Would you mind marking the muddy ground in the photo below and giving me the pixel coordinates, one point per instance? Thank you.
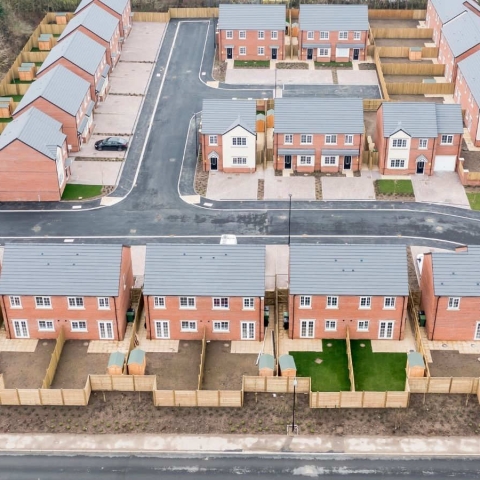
(451, 363)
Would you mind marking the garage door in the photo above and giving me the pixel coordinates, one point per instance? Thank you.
(445, 163)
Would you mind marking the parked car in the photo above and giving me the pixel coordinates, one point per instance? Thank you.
(111, 143)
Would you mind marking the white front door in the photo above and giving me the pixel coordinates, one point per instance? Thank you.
(105, 330)
(307, 328)
(386, 330)
(162, 328)
(477, 331)
(21, 329)
(248, 330)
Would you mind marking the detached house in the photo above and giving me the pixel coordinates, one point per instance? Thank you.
(100, 26)
(251, 32)
(362, 287)
(83, 288)
(418, 137)
(467, 93)
(450, 285)
(84, 57)
(33, 159)
(333, 33)
(121, 9)
(218, 289)
(318, 134)
(228, 135)
(64, 96)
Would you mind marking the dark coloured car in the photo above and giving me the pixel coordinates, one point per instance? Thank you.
(112, 143)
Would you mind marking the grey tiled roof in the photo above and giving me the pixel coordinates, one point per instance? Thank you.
(319, 115)
(117, 6)
(220, 116)
(470, 69)
(56, 269)
(205, 270)
(79, 49)
(462, 33)
(251, 17)
(59, 86)
(95, 19)
(348, 270)
(37, 130)
(421, 120)
(448, 9)
(334, 18)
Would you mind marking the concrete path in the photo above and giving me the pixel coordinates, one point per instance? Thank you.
(233, 186)
(357, 77)
(342, 188)
(273, 444)
(279, 188)
(143, 41)
(258, 76)
(443, 188)
(92, 172)
(130, 78)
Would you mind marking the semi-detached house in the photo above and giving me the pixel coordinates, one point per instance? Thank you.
(251, 32)
(318, 134)
(360, 287)
(64, 96)
(216, 289)
(333, 33)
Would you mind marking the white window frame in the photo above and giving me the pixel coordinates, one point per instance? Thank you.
(343, 35)
(329, 160)
(332, 302)
(331, 139)
(330, 325)
(260, 50)
(105, 301)
(391, 301)
(323, 52)
(242, 34)
(305, 160)
(162, 327)
(357, 35)
(307, 328)
(15, 301)
(78, 326)
(477, 331)
(387, 323)
(48, 325)
(402, 163)
(239, 141)
(242, 50)
(78, 303)
(159, 302)
(399, 143)
(363, 325)
(250, 330)
(310, 35)
(423, 144)
(22, 325)
(239, 160)
(188, 326)
(229, 34)
(348, 139)
(261, 35)
(213, 140)
(365, 303)
(274, 35)
(44, 300)
(105, 324)
(446, 140)
(221, 326)
(453, 303)
(324, 35)
(305, 301)
(306, 139)
(190, 303)
(223, 303)
(288, 139)
(248, 303)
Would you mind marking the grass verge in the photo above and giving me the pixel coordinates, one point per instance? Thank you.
(331, 375)
(474, 199)
(333, 64)
(6, 120)
(251, 63)
(377, 372)
(395, 187)
(17, 98)
(81, 192)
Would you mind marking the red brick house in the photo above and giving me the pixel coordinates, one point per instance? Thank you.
(33, 159)
(333, 287)
(467, 94)
(251, 32)
(121, 9)
(84, 288)
(64, 96)
(333, 33)
(218, 289)
(418, 137)
(451, 295)
(100, 26)
(84, 57)
(318, 134)
(228, 137)
(440, 12)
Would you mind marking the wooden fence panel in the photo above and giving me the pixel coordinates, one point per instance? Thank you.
(431, 69)
(193, 12)
(464, 385)
(87, 390)
(164, 398)
(160, 17)
(439, 385)
(122, 383)
(418, 384)
(55, 358)
(51, 396)
(34, 56)
(396, 14)
(324, 399)
(254, 384)
(230, 398)
(351, 374)
(397, 399)
(184, 398)
(381, 79)
(429, 52)
(74, 397)
(54, 29)
(101, 382)
(402, 33)
(374, 399)
(202, 360)
(207, 398)
(9, 396)
(351, 399)
(144, 383)
(420, 88)
(29, 396)
(371, 105)
(393, 52)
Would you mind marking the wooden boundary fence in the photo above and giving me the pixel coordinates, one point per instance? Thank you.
(466, 177)
(420, 88)
(123, 383)
(160, 17)
(275, 384)
(396, 14)
(351, 374)
(381, 79)
(52, 366)
(469, 385)
(430, 69)
(420, 33)
(403, 52)
(202, 360)
(359, 399)
(198, 398)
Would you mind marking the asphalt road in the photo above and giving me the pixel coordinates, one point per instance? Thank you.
(265, 467)
(153, 211)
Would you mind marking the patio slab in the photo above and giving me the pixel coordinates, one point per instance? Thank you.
(279, 188)
(143, 42)
(357, 77)
(130, 78)
(233, 186)
(95, 173)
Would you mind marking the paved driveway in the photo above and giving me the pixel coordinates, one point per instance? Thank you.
(116, 115)
(351, 188)
(95, 173)
(444, 188)
(143, 42)
(357, 77)
(259, 76)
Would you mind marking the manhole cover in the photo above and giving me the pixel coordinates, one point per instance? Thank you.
(85, 344)
(329, 344)
(478, 359)
(318, 360)
(226, 344)
(362, 345)
(472, 345)
(185, 344)
(45, 343)
(411, 351)
(444, 345)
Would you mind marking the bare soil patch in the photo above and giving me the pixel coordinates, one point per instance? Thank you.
(415, 98)
(404, 60)
(405, 78)
(392, 23)
(472, 159)
(75, 365)
(26, 370)
(402, 42)
(201, 178)
(367, 66)
(451, 363)
(292, 65)
(224, 370)
(370, 120)
(176, 371)
(219, 70)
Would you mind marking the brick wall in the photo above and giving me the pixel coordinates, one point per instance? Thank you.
(464, 97)
(433, 22)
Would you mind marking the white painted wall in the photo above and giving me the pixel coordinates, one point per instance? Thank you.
(400, 153)
(230, 151)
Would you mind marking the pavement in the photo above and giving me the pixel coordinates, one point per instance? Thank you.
(347, 188)
(95, 173)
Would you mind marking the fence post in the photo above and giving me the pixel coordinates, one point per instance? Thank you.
(265, 384)
(218, 398)
(450, 386)
(174, 398)
(61, 394)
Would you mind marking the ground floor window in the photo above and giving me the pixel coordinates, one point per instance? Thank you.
(78, 325)
(330, 325)
(239, 160)
(221, 326)
(397, 163)
(307, 328)
(105, 330)
(248, 330)
(477, 331)
(188, 325)
(21, 329)
(329, 160)
(324, 52)
(46, 326)
(362, 326)
(305, 160)
(162, 328)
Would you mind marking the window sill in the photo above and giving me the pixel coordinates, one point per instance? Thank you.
(181, 308)
(248, 309)
(17, 308)
(160, 308)
(222, 309)
(364, 308)
(79, 331)
(43, 308)
(223, 331)
(331, 308)
(188, 331)
(76, 308)
(305, 308)
(388, 308)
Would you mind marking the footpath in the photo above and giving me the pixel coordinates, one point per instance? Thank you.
(238, 444)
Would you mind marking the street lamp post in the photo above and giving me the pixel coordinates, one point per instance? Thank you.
(289, 216)
(196, 134)
(294, 428)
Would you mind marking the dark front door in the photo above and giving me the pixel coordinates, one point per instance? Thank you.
(288, 162)
(229, 53)
(309, 53)
(347, 162)
(213, 163)
(274, 53)
(420, 167)
(356, 53)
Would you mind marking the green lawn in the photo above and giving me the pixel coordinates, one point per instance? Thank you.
(6, 120)
(377, 372)
(474, 199)
(395, 187)
(81, 192)
(35, 49)
(251, 63)
(334, 64)
(38, 64)
(331, 375)
(16, 80)
(17, 98)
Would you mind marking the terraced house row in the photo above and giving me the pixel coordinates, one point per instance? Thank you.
(56, 115)
(219, 291)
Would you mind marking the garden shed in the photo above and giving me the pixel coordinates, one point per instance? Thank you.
(270, 118)
(415, 365)
(115, 363)
(137, 362)
(260, 121)
(266, 365)
(45, 41)
(26, 72)
(287, 366)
